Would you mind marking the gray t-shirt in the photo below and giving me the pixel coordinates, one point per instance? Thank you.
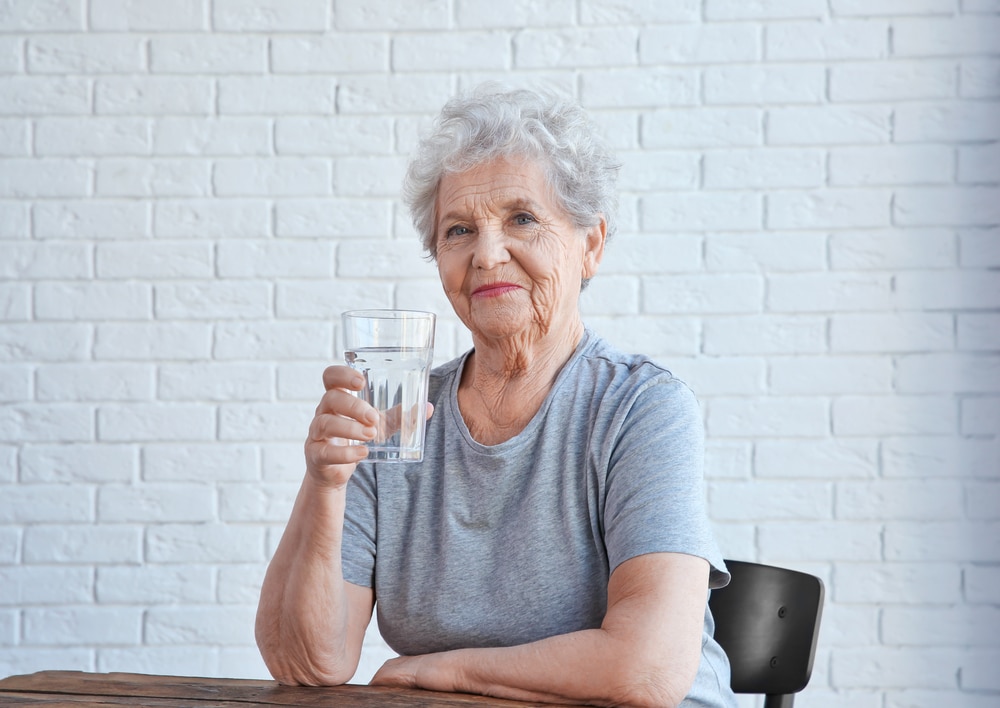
(499, 545)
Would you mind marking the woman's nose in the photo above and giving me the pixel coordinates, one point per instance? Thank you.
(491, 248)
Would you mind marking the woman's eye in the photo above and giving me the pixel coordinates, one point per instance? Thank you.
(524, 219)
(456, 231)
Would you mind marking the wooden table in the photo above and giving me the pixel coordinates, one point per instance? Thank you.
(73, 689)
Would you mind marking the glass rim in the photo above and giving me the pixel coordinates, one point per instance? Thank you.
(388, 314)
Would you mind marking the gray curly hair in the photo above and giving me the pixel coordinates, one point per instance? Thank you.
(491, 123)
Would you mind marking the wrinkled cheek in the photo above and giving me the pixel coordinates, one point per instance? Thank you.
(451, 285)
(459, 303)
(544, 298)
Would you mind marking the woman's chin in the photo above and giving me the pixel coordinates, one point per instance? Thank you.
(500, 328)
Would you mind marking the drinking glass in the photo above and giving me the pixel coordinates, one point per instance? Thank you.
(394, 350)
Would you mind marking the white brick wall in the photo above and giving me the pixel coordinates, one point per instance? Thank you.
(190, 192)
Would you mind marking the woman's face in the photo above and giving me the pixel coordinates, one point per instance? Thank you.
(510, 259)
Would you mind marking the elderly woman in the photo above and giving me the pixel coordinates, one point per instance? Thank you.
(553, 544)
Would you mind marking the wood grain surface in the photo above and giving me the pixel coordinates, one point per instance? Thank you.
(75, 689)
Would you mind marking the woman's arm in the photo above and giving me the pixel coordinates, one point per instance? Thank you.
(646, 652)
(310, 622)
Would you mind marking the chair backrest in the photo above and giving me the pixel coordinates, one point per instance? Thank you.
(767, 621)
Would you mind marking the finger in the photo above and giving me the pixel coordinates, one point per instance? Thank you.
(339, 402)
(334, 452)
(330, 427)
(395, 672)
(345, 377)
(393, 418)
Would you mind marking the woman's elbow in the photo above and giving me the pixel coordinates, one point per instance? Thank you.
(307, 676)
(649, 693)
(653, 686)
(292, 664)
(293, 672)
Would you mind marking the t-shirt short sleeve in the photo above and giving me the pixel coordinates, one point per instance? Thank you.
(655, 497)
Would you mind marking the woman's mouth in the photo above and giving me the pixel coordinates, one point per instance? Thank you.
(494, 289)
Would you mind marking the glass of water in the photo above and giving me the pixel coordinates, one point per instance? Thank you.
(394, 350)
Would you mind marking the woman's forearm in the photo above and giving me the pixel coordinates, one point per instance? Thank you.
(305, 629)
(590, 667)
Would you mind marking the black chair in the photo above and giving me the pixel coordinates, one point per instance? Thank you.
(767, 621)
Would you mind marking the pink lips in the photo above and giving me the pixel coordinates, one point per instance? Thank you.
(494, 289)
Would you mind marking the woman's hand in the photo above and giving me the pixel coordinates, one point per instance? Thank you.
(432, 672)
(399, 672)
(341, 417)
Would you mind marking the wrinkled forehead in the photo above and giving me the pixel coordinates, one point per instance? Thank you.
(497, 184)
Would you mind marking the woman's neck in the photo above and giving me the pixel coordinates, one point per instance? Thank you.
(504, 383)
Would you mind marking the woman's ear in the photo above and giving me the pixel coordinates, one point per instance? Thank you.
(595, 238)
